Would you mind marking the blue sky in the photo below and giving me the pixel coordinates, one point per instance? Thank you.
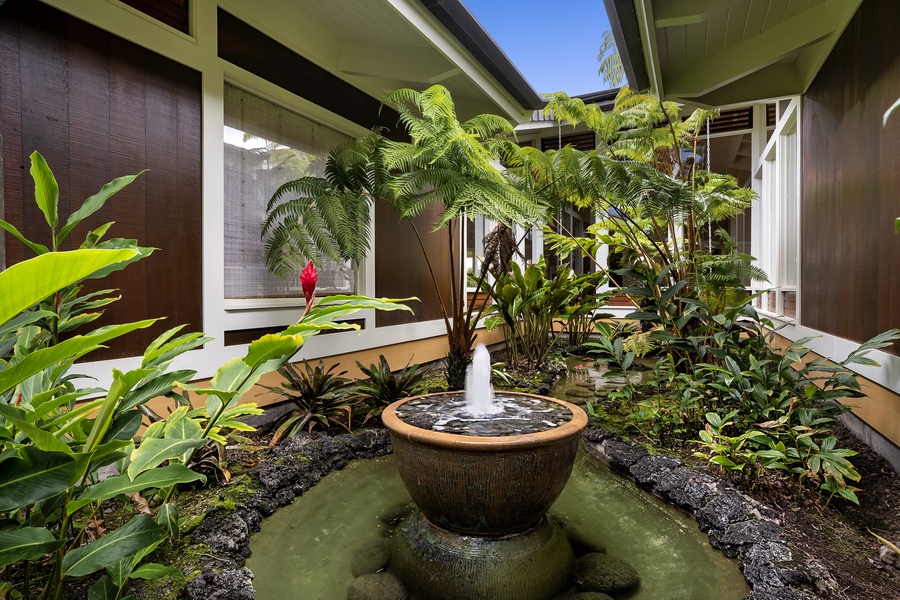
(554, 45)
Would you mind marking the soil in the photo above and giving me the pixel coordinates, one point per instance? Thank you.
(838, 534)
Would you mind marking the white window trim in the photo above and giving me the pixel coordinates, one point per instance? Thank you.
(767, 213)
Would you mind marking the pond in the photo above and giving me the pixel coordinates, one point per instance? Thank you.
(305, 550)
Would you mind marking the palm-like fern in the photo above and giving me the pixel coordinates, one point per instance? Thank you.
(325, 217)
(447, 164)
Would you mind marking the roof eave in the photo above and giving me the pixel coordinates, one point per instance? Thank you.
(457, 19)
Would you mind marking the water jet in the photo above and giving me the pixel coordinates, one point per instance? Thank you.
(482, 530)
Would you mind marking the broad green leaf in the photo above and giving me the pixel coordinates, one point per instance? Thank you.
(44, 440)
(157, 386)
(34, 246)
(26, 283)
(46, 190)
(128, 539)
(124, 426)
(155, 571)
(93, 204)
(122, 382)
(167, 517)
(154, 451)
(25, 543)
(105, 588)
(180, 427)
(123, 484)
(35, 475)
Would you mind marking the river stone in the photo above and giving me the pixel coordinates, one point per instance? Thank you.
(370, 557)
(376, 586)
(597, 572)
(579, 393)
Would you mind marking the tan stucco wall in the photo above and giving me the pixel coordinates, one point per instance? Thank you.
(879, 408)
(417, 351)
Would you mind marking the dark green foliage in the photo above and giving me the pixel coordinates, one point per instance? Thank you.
(527, 302)
(320, 395)
(758, 408)
(384, 387)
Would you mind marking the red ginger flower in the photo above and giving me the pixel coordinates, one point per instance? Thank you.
(308, 279)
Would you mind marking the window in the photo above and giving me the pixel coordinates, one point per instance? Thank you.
(776, 231)
(266, 146)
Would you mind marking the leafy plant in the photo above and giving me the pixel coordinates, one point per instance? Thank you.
(383, 387)
(52, 448)
(526, 303)
(320, 395)
(55, 437)
(448, 165)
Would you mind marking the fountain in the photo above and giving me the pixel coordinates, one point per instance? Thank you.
(481, 530)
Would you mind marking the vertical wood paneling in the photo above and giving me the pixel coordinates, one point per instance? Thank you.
(400, 267)
(850, 278)
(98, 107)
(12, 194)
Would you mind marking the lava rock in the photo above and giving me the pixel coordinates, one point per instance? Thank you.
(596, 572)
(370, 557)
(225, 534)
(376, 586)
(741, 535)
(723, 510)
(653, 468)
(227, 584)
(622, 454)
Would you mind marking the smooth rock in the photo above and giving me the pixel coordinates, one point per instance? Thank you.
(597, 572)
(376, 586)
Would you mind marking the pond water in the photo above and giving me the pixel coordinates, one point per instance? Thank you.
(304, 550)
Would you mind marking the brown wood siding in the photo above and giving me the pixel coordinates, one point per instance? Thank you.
(244, 46)
(98, 107)
(173, 13)
(400, 267)
(850, 281)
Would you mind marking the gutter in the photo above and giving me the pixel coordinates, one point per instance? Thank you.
(457, 19)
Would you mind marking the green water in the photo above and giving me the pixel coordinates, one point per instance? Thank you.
(303, 551)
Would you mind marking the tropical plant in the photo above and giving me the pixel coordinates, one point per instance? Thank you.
(382, 386)
(447, 165)
(581, 317)
(54, 437)
(525, 302)
(322, 398)
(650, 196)
(610, 69)
(761, 408)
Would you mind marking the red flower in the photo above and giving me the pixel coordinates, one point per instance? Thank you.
(308, 281)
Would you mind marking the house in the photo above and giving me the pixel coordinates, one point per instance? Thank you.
(211, 97)
(813, 80)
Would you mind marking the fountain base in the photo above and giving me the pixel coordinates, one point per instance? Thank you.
(438, 564)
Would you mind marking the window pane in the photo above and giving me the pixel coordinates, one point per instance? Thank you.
(266, 146)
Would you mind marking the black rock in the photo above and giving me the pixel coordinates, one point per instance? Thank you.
(227, 584)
